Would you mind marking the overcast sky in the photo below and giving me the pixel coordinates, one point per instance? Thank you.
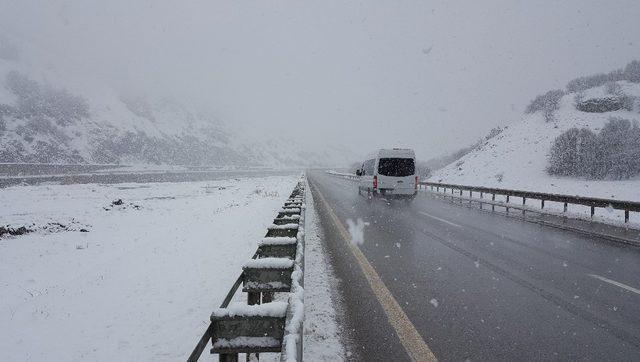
(432, 75)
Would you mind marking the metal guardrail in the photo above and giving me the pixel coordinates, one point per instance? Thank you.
(592, 202)
(345, 175)
(288, 230)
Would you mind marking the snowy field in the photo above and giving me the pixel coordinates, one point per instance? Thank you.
(141, 282)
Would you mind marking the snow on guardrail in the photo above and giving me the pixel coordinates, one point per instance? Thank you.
(263, 325)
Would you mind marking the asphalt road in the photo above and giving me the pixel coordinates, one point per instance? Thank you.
(476, 285)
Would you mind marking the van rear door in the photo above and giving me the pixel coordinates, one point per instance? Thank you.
(397, 174)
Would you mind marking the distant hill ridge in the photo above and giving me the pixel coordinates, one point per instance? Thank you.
(43, 122)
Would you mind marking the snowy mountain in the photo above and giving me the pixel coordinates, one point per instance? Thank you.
(518, 157)
(46, 117)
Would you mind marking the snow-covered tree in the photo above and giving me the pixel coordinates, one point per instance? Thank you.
(614, 153)
(574, 153)
(548, 103)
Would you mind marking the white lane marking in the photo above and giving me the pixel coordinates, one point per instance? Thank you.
(617, 284)
(439, 219)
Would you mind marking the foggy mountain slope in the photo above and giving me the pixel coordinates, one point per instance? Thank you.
(517, 158)
(45, 119)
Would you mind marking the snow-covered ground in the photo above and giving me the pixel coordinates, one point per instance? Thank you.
(323, 340)
(142, 282)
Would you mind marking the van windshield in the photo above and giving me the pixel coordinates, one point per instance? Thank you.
(396, 167)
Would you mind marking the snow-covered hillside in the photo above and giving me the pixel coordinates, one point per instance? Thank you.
(48, 117)
(517, 158)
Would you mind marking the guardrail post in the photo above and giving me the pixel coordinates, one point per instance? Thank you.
(267, 297)
(253, 298)
(507, 204)
(565, 207)
(470, 196)
(593, 211)
(481, 203)
(524, 201)
(493, 206)
(228, 357)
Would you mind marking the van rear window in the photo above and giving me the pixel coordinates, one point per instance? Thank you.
(396, 167)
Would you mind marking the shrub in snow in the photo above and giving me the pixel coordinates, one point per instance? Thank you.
(583, 83)
(601, 105)
(619, 100)
(14, 231)
(573, 153)
(620, 142)
(632, 72)
(614, 153)
(547, 103)
(494, 132)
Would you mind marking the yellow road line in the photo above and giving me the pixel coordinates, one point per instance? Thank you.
(411, 340)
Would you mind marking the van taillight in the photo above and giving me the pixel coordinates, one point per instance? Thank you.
(375, 182)
(417, 182)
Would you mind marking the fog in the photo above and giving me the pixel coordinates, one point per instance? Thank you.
(433, 75)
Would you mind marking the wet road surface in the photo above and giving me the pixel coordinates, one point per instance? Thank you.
(477, 285)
